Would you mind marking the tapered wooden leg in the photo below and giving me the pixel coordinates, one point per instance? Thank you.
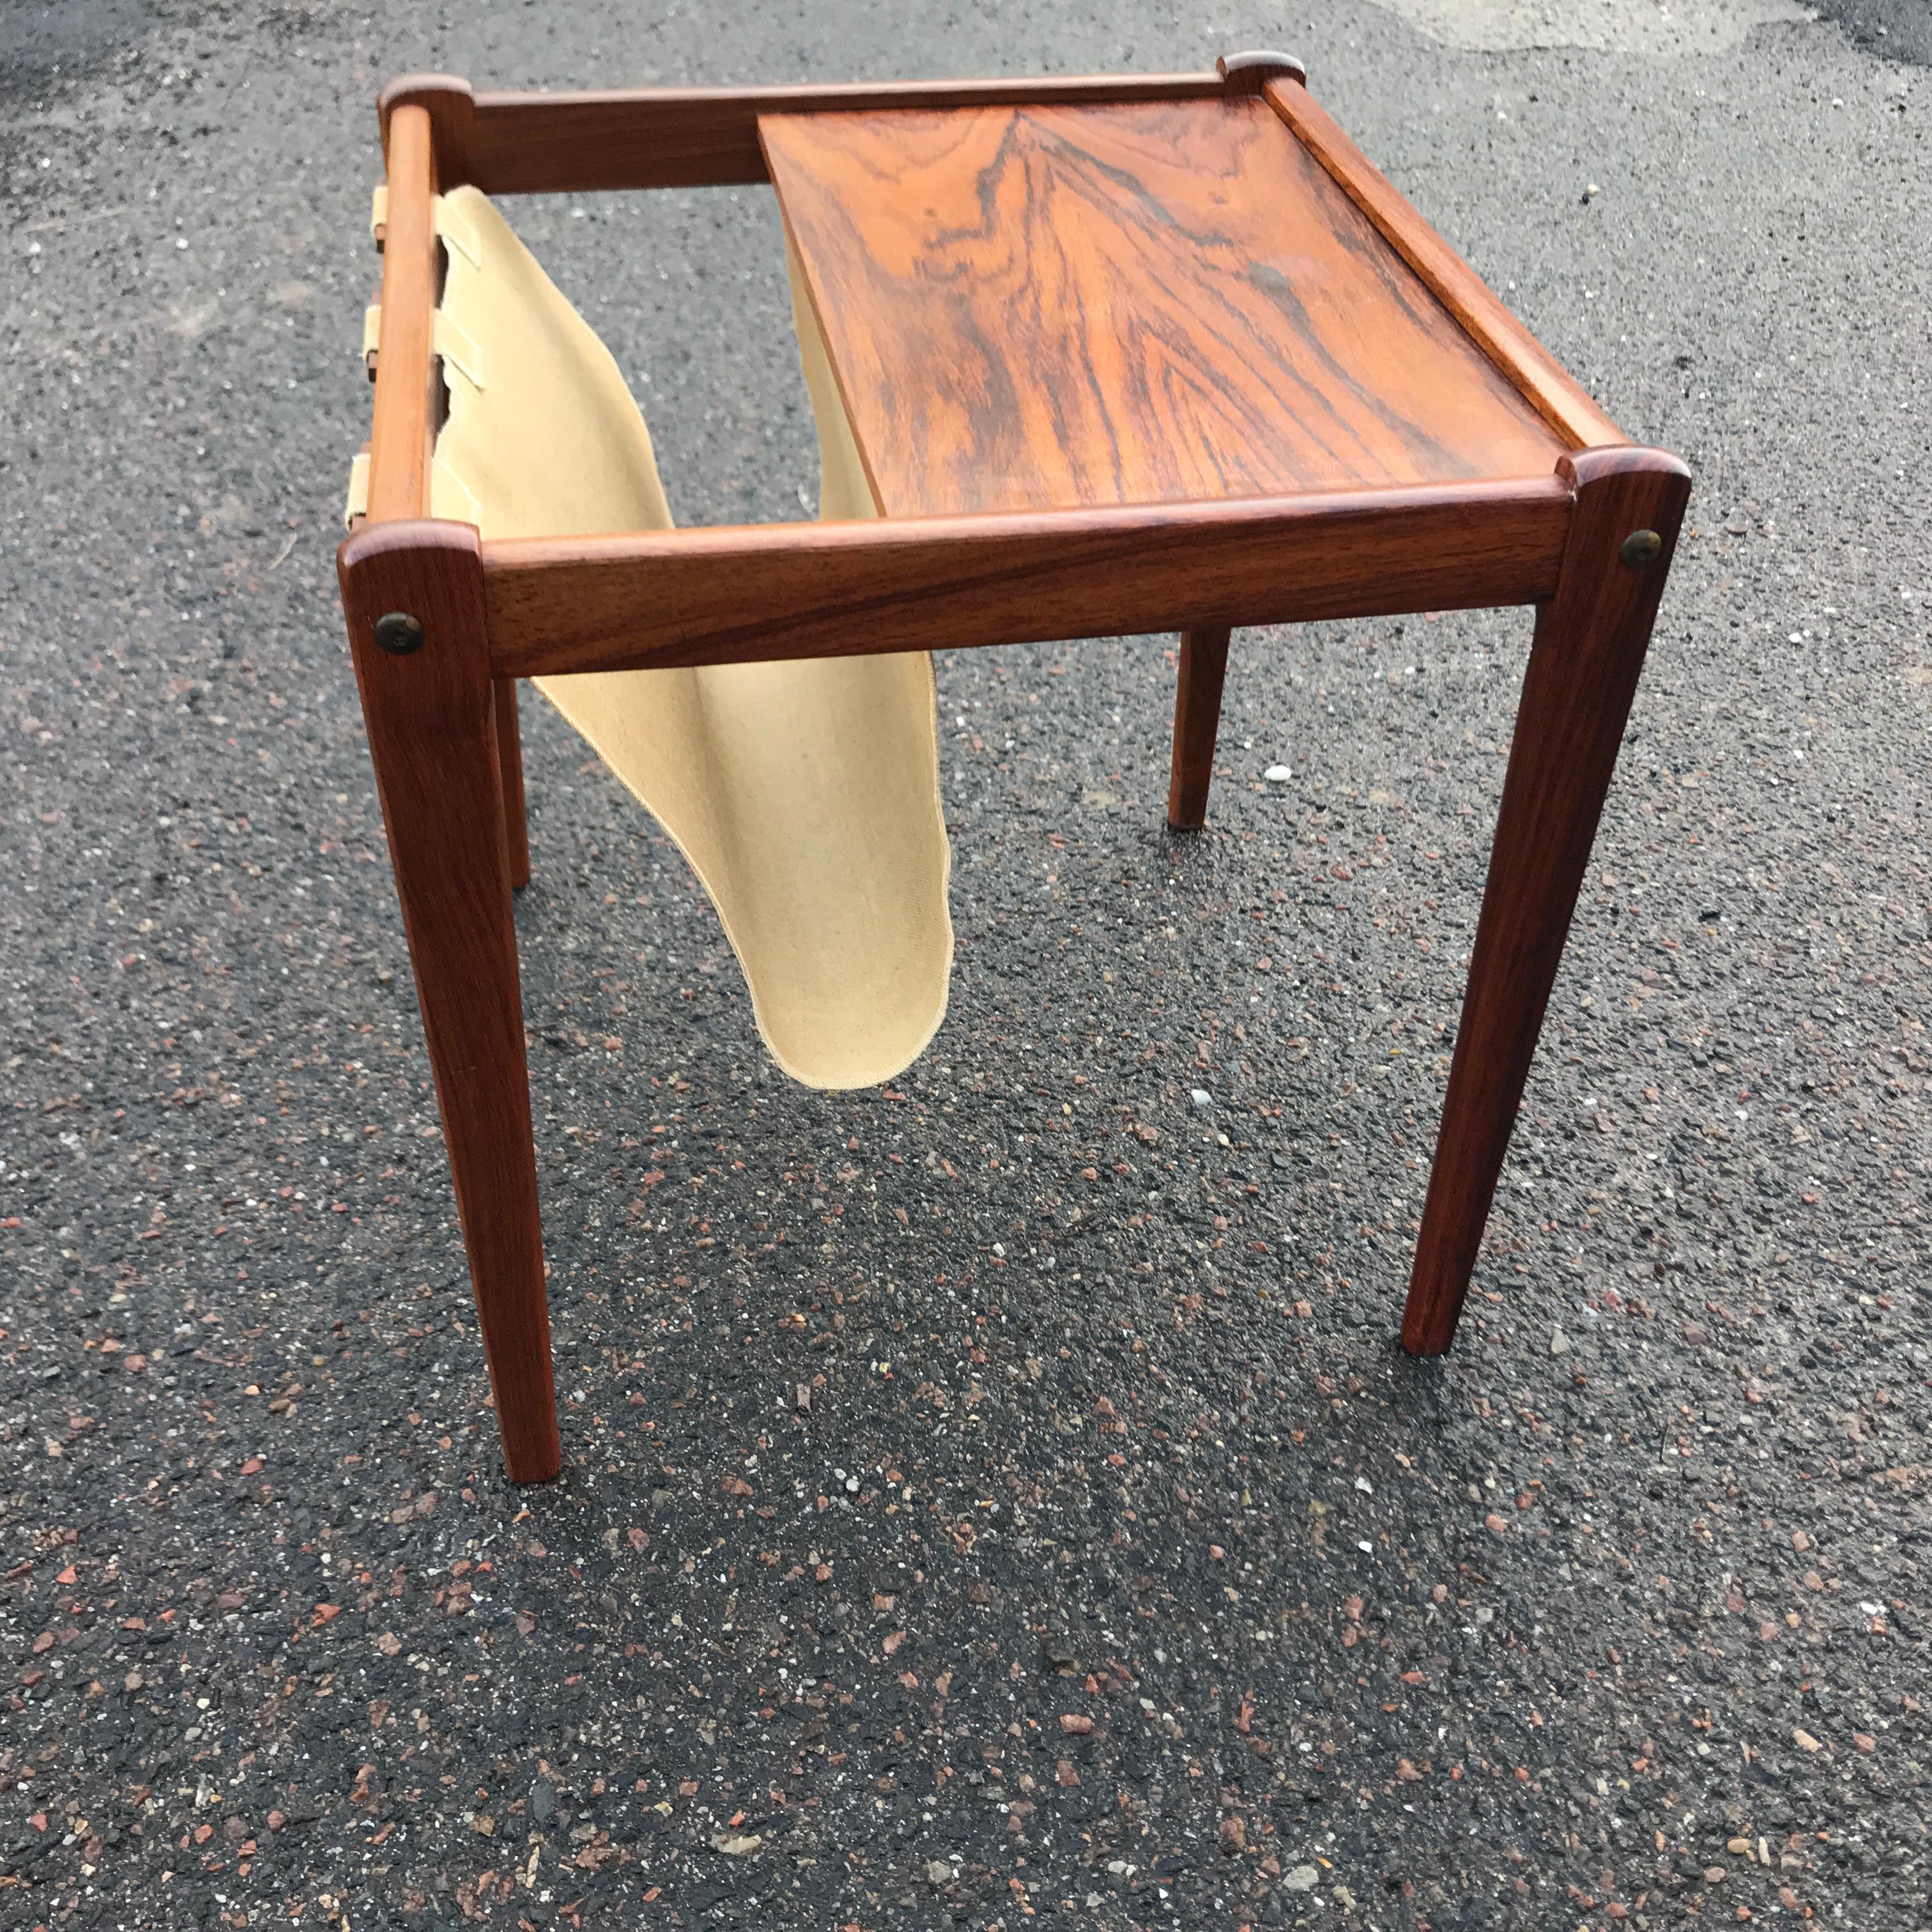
(510, 772)
(418, 588)
(1590, 641)
(1197, 718)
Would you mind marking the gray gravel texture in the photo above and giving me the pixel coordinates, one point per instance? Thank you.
(1900, 29)
(1121, 1568)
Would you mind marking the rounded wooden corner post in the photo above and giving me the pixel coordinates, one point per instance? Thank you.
(1250, 73)
(1197, 723)
(451, 104)
(1591, 637)
(412, 593)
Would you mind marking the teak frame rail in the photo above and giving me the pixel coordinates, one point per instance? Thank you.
(441, 624)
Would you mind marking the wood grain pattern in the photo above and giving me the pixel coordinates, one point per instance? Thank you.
(1028, 308)
(399, 437)
(1556, 395)
(798, 590)
(507, 142)
(1197, 724)
(1591, 638)
(432, 741)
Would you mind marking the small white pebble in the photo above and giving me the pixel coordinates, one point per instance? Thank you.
(1277, 775)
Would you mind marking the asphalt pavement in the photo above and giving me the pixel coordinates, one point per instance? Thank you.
(1000, 1497)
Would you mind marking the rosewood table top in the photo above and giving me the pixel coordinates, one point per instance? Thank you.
(1040, 307)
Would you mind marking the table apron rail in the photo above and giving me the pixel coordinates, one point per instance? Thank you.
(766, 593)
(403, 428)
(605, 140)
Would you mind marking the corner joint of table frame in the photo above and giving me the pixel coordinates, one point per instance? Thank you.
(375, 558)
(1626, 503)
(451, 103)
(1581, 468)
(1249, 73)
(1653, 485)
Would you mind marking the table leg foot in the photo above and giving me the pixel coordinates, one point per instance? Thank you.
(1197, 721)
(1589, 645)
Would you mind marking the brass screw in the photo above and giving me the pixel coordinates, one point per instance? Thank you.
(1640, 547)
(399, 633)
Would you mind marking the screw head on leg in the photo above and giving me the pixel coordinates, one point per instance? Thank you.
(1639, 548)
(399, 633)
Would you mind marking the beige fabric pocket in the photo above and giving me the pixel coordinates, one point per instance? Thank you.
(805, 796)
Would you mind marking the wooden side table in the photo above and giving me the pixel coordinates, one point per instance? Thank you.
(1120, 355)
